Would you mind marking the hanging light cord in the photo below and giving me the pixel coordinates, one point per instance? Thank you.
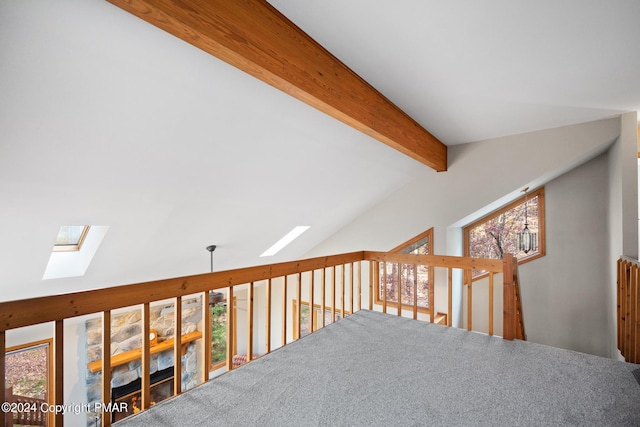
(211, 249)
(526, 222)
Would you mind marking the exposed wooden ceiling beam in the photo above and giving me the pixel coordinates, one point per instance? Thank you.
(254, 37)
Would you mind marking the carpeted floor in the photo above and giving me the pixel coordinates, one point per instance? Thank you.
(372, 369)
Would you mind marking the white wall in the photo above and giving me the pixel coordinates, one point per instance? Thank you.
(623, 210)
(565, 293)
(485, 175)
(481, 177)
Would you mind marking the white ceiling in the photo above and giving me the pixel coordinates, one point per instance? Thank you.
(106, 120)
(469, 70)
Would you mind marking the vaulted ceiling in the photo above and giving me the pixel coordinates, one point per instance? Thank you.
(108, 120)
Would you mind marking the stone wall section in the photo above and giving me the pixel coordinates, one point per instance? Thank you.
(126, 335)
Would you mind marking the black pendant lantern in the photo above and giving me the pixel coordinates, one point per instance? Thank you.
(527, 241)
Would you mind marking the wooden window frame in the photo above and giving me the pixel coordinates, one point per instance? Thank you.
(71, 247)
(50, 367)
(425, 310)
(541, 227)
(315, 321)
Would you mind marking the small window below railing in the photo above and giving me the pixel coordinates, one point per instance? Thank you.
(407, 277)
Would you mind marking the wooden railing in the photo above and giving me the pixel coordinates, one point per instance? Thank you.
(334, 283)
(628, 311)
(513, 325)
(28, 411)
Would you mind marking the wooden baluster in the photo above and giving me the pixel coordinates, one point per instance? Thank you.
(625, 308)
(359, 285)
(298, 318)
(106, 366)
(58, 369)
(177, 341)
(146, 358)
(311, 301)
(333, 294)
(469, 299)
(620, 300)
(627, 314)
(415, 291)
(323, 296)
(432, 294)
(384, 287)
(250, 322)
(636, 316)
(450, 296)
(630, 317)
(633, 293)
(267, 339)
(399, 293)
(351, 287)
(284, 309)
(343, 291)
(508, 299)
(230, 328)
(519, 319)
(491, 303)
(373, 267)
(621, 292)
(627, 311)
(206, 336)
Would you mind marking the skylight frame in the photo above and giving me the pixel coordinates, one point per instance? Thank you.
(69, 247)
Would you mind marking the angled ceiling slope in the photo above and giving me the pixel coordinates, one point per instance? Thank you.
(256, 38)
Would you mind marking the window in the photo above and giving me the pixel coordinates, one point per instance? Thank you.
(421, 244)
(303, 329)
(497, 233)
(218, 335)
(27, 378)
(70, 237)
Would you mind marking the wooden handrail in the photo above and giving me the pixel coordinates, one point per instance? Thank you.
(436, 260)
(16, 314)
(335, 281)
(513, 324)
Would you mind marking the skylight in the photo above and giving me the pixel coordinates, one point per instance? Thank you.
(73, 250)
(288, 238)
(70, 238)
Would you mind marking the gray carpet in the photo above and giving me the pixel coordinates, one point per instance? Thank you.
(376, 369)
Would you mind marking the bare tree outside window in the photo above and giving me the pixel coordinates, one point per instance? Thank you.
(497, 234)
(409, 274)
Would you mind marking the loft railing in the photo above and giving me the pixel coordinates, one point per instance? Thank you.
(25, 418)
(333, 284)
(513, 325)
(628, 312)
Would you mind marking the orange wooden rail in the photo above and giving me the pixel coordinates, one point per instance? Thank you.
(339, 275)
(628, 309)
(513, 326)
